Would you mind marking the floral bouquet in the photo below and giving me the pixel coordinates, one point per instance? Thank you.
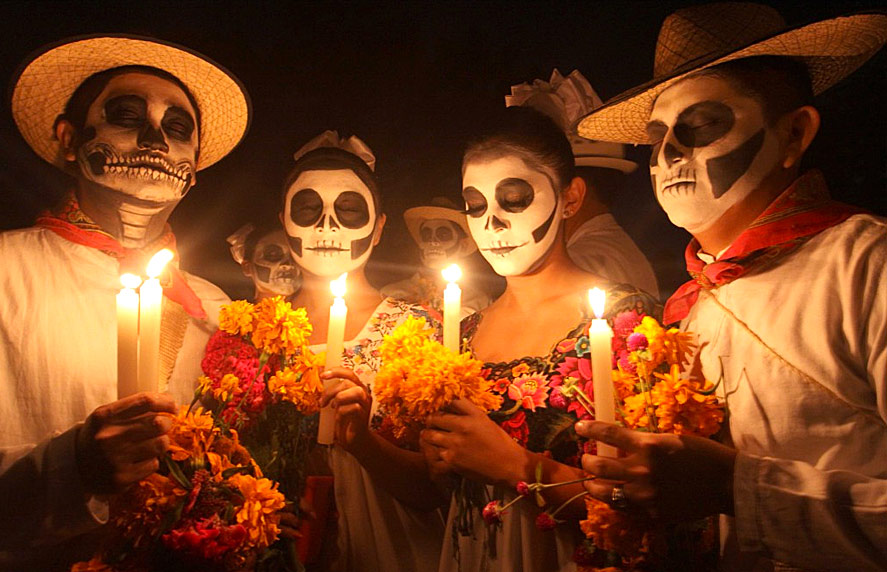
(214, 503)
(420, 376)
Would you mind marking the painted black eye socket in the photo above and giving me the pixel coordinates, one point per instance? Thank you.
(475, 202)
(273, 253)
(126, 111)
(703, 123)
(306, 206)
(178, 123)
(425, 234)
(443, 234)
(352, 209)
(514, 195)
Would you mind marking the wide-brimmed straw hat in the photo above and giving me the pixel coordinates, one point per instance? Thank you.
(50, 76)
(703, 36)
(440, 208)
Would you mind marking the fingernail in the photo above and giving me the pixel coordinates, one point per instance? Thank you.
(582, 425)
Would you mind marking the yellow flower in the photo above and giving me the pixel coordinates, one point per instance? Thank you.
(236, 318)
(678, 346)
(259, 513)
(613, 530)
(279, 328)
(191, 433)
(139, 511)
(94, 565)
(681, 408)
(656, 337)
(299, 384)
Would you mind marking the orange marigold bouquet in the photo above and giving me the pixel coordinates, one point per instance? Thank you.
(215, 502)
(420, 376)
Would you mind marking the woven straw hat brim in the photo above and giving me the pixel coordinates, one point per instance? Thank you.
(832, 49)
(47, 81)
(414, 217)
(622, 165)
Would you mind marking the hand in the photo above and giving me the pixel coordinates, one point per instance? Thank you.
(352, 402)
(670, 477)
(475, 446)
(439, 470)
(119, 444)
(290, 522)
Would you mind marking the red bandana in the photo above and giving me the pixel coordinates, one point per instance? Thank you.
(74, 225)
(799, 213)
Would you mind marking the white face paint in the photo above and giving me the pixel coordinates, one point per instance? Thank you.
(273, 269)
(439, 242)
(713, 148)
(140, 139)
(329, 217)
(513, 213)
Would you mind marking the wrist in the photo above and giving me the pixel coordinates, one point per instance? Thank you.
(521, 467)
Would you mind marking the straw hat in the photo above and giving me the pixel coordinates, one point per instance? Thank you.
(565, 100)
(48, 79)
(440, 208)
(703, 36)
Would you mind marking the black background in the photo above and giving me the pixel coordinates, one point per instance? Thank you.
(410, 79)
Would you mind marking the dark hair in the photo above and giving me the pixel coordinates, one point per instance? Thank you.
(779, 83)
(257, 234)
(334, 159)
(530, 135)
(603, 182)
(78, 104)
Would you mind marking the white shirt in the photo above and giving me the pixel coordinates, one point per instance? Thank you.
(602, 247)
(58, 362)
(809, 419)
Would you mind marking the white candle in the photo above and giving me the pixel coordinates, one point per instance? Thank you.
(600, 337)
(335, 343)
(452, 299)
(150, 301)
(128, 336)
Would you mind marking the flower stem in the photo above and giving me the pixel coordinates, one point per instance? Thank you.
(564, 505)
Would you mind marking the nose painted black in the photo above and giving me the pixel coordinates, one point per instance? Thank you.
(672, 153)
(495, 223)
(151, 138)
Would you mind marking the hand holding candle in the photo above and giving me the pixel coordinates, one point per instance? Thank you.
(335, 343)
(128, 336)
(452, 299)
(600, 337)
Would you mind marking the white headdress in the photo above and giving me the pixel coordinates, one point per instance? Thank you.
(331, 138)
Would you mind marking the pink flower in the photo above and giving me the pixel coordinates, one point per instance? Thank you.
(637, 341)
(545, 521)
(557, 399)
(625, 323)
(571, 371)
(523, 488)
(492, 513)
(530, 391)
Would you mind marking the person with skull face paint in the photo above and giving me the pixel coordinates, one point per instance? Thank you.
(388, 517)
(132, 120)
(264, 256)
(441, 232)
(518, 183)
(787, 298)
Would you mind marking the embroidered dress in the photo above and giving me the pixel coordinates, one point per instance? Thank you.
(375, 531)
(536, 415)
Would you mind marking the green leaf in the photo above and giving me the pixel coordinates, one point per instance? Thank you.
(176, 472)
(244, 469)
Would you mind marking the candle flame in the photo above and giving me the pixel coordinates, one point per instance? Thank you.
(158, 262)
(451, 273)
(598, 299)
(337, 286)
(130, 280)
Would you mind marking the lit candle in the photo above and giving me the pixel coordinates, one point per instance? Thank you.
(452, 298)
(335, 343)
(600, 337)
(128, 336)
(150, 301)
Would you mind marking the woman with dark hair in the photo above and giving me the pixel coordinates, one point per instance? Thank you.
(264, 257)
(519, 186)
(387, 506)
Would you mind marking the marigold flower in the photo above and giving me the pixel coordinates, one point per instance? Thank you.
(236, 318)
(612, 530)
(94, 565)
(682, 407)
(299, 384)
(259, 513)
(655, 335)
(280, 328)
(191, 434)
(138, 513)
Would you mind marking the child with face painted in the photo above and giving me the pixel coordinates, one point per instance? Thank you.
(387, 505)
(789, 297)
(264, 257)
(519, 186)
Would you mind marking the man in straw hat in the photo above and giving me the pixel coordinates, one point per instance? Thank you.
(441, 233)
(595, 241)
(788, 297)
(132, 120)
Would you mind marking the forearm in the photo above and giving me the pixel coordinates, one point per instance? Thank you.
(805, 517)
(524, 467)
(401, 473)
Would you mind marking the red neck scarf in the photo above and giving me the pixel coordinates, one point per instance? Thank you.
(75, 226)
(803, 210)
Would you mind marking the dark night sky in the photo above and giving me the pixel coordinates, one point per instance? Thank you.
(410, 79)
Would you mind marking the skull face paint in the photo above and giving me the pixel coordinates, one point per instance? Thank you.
(712, 148)
(140, 139)
(329, 217)
(514, 213)
(273, 269)
(439, 242)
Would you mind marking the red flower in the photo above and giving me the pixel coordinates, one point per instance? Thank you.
(516, 427)
(208, 539)
(500, 385)
(492, 513)
(545, 521)
(523, 488)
